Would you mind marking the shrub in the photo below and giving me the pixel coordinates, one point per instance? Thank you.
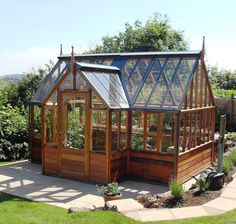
(177, 189)
(202, 184)
(230, 136)
(13, 134)
(227, 166)
(232, 157)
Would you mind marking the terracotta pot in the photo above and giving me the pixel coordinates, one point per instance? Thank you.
(111, 198)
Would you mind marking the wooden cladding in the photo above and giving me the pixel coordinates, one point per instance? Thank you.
(98, 167)
(36, 150)
(151, 166)
(194, 161)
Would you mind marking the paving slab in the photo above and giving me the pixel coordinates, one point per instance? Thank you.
(155, 215)
(213, 211)
(25, 179)
(221, 203)
(125, 205)
(229, 192)
(189, 212)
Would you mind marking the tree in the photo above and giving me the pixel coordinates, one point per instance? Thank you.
(222, 79)
(14, 98)
(156, 35)
(18, 94)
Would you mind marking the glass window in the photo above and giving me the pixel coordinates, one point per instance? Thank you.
(127, 69)
(37, 121)
(67, 83)
(75, 123)
(149, 84)
(51, 125)
(168, 126)
(53, 99)
(137, 132)
(115, 123)
(152, 121)
(136, 76)
(123, 126)
(119, 130)
(108, 86)
(53, 77)
(96, 102)
(81, 84)
(98, 130)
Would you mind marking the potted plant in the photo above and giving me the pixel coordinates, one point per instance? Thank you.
(110, 191)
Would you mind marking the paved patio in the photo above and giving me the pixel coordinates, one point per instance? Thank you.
(25, 179)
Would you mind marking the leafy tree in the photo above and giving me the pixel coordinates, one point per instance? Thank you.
(156, 35)
(222, 79)
(14, 99)
(18, 94)
(13, 134)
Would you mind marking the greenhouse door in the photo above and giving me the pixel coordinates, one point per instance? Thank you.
(73, 132)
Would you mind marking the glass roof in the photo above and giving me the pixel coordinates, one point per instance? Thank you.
(50, 81)
(158, 82)
(149, 80)
(107, 85)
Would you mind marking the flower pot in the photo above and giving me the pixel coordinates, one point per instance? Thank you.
(111, 198)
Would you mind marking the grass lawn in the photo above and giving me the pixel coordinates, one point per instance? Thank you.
(4, 163)
(14, 210)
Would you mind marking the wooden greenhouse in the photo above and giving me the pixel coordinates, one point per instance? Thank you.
(111, 117)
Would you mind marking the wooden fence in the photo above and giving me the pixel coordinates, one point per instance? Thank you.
(228, 107)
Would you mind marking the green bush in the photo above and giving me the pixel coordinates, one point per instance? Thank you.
(13, 134)
(202, 184)
(177, 189)
(230, 136)
(227, 166)
(232, 157)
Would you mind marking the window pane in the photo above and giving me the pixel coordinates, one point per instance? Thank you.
(151, 131)
(81, 84)
(37, 121)
(137, 134)
(75, 109)
(98, 130)
(123, 117)
(168, 125)
(53, 77)
(96, 102)
(53, 99)
(149, 84)
(136, 76)
(115, 129)
(51, 126)
(67, 83)
(109, 87)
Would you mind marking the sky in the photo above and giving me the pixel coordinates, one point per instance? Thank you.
(32, 31)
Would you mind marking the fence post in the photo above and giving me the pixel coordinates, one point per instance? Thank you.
(232, 112)
(221, 142)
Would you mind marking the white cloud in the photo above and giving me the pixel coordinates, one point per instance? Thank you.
(16, 62)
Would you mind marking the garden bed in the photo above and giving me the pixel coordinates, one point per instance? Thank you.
(192, 197)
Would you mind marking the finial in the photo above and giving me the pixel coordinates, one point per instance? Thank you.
(203, 46)
(60, 49)
(72, 53)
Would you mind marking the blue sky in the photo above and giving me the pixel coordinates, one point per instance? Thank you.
(31, 31)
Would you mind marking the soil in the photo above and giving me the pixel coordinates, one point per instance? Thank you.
(191, 198)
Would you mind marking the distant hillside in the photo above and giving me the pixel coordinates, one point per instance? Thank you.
(11, 78)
